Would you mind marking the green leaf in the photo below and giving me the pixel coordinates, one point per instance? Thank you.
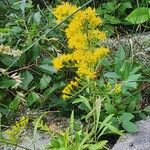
(139, 15)
(113, 129)
(98, 110)
(110, 109)
(44, 81)
(131, 106)
(125, 5)
(112, 75)
(37, 17)
(31, 98)
(14, 105)
(84, 101)
(126, 117)
(98, 145)
(7, 83)
(134, 77)
(112, 19)
(47, 69)
(27, 79)
(147, 109)
(129, 126)
(105, 121)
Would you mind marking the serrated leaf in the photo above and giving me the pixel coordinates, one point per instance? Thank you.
(139, 15)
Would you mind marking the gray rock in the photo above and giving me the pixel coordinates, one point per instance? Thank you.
(136, 141)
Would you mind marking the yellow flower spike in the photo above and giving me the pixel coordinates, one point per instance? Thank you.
(70, 86)
(74, 83)
(66, 90)
(82, 34)
(117, 88)
(65, 97)
(96, 34)
(64, 10)
(58, 63)
(77, 79)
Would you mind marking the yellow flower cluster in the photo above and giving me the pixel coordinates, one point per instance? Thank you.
(83, 37)
(83, 60)
(70, 87)
(62, 11)
(82, 29)
(15, 131)
(8, 51)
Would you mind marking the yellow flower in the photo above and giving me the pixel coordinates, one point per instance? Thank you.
(96, 34)
(87, 72)
(58, 63)
(69, 88)
(65, 96)
(100, 52)
(117, 88)
(90, 16)
(64, 10)
(79, 41)
(82, 34)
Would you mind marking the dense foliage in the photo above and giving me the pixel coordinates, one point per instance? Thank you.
(53, 57)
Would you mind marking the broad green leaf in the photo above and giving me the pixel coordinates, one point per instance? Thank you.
(130, 126)
(105, 121)
(125, 5)
(31, 98)
(131, 106)
(139, 15)
(27, 79)
(7, 83)
(47, 69)
(134, 78)
(112, 19)
(112, 75)
(55, 87)
(128, 84)
(14, 105)
(84, 101)
(37, 17)
(126, 117)
(44, 81)
(147, 109)
(23, 6)
(110, 109)
(113, 129)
